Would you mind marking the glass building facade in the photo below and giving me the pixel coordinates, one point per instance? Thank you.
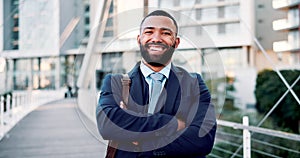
(34, 56)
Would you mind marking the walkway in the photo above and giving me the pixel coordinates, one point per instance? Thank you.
(53, 130)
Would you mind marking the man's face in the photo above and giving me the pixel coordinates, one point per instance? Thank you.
(158, 40)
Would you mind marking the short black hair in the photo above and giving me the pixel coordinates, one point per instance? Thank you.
(161, 13)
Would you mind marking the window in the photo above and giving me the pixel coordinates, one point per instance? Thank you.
(260, 21)
(111, 7)
(221, 29)
(260, 6)
(198, 14)
(15, 35)
(87, 8)
(87, 20)
(15, 2)
(112, 62)
(108, 34)
(86, 33)
(293, 38)
(293, 16)
(221, 12)
(109, 22)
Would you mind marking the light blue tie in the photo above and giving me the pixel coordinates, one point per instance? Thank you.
(155, 92)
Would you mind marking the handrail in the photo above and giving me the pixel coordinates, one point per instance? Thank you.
(260, 130)
(16, 105)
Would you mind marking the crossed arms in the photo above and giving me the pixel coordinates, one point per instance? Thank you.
(191, 134)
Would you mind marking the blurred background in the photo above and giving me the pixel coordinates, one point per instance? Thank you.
(247, 51)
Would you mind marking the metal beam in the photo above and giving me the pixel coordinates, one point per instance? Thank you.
(89, 63)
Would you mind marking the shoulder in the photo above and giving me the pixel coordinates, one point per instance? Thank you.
(111, 80)
(185, 73)
(112, 77)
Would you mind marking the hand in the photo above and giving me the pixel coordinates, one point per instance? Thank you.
(123, 105)
(181, 125)
(135, 143)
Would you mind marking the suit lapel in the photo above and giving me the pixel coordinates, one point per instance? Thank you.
(139, 92)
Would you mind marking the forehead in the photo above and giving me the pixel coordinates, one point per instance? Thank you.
(159, 22)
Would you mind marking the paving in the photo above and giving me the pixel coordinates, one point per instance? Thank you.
(54, 130)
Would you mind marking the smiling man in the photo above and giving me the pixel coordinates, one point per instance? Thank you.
(169, 111)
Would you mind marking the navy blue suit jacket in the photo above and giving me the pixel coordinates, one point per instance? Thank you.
(185, 97)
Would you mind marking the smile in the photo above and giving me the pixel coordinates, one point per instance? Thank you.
(156, 47)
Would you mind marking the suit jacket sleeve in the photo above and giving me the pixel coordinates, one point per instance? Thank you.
(198, 138)
(118, 124)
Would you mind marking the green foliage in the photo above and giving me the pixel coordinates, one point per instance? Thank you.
(270, 88)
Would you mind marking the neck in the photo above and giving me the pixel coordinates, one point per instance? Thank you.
(154, 68)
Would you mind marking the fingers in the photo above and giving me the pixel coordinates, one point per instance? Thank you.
(122, 105)
(181, 125)
(135, 143)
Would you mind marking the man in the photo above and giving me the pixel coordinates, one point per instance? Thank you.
(181, 123)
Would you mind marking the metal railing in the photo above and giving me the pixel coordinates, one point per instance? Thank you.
(16, 105)
(241, 140)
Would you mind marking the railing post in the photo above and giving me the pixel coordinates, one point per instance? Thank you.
(1, 116)
(29, 98)
(1, 111)
(17, 100)
(8, 106)
(246, 139)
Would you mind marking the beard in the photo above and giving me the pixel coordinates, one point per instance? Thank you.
(157, 60)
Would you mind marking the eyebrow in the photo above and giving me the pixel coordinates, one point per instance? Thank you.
(163, 28)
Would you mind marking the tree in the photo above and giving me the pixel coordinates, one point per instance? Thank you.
(269, 89)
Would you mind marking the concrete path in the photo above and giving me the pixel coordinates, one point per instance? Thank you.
(53, 130)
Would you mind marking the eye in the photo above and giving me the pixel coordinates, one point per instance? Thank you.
(148, 32)
(167, 33)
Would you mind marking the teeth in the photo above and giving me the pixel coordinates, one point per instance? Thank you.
(156, 48)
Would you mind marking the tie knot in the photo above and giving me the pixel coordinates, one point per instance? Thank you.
(157, 76)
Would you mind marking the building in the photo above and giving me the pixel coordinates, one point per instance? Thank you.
(266, 36)
(36, 39)
(291, 26)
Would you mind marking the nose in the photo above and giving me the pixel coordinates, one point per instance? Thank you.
(156, 37)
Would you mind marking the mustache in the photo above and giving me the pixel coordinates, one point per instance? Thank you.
(157, 44)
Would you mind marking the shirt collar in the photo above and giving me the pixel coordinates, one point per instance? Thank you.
(146, 71)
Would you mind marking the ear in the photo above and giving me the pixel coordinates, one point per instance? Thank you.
(138, 39)
(177, 42)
